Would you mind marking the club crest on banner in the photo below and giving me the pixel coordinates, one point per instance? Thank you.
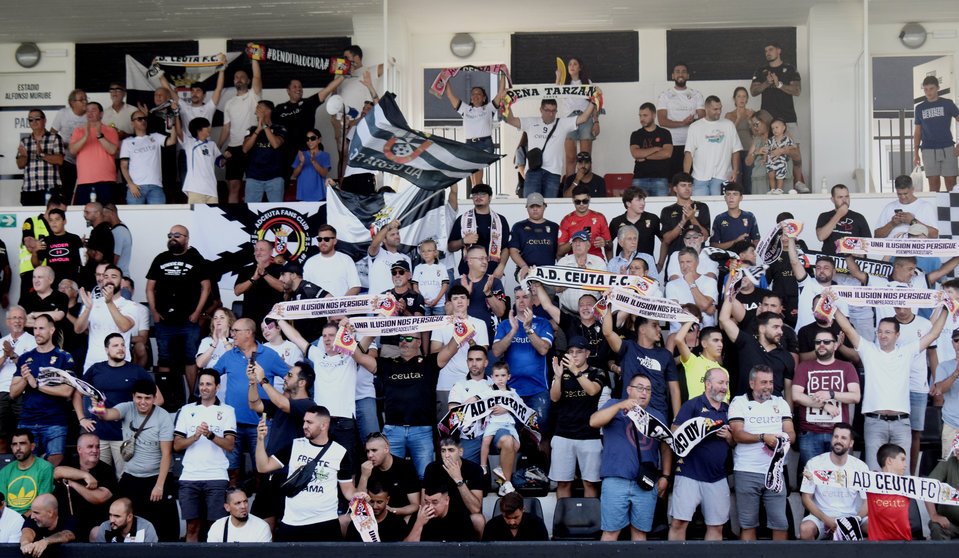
(288, 230)
(404, 149)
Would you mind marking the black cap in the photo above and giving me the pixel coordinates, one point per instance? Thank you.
(292, 267)
(579, 342)
(402, 264)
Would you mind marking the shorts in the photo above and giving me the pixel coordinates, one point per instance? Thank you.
(824, 533)
(750, 488)
(51, 439)
(582, 132)
(917, 410)
(193, 198)
(792, 129)
(623, 503)
(199, 496)
(236, 164)
(501, 432)
(940, 162)
(567, 452)
(486, 144)
(184, 339)
(713, 497)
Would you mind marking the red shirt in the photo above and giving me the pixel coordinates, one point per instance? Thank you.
(888, 517)
(594, 222)
(94, 164)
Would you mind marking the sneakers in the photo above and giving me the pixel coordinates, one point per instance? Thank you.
(801, 187)
(506, 487)
(500, 477)
(776, 191)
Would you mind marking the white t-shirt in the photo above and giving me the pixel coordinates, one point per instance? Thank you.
(678, 290)
(569, 299)
(317, 502)
(11, 525)
(204, 460)
(218, 351)
(430, 278)
(141, 322)
(808, 289)
(712, 143)
(917, 281)
(922, 210)
(571, 104)
(336, 274)
(380, 279)
(239, 114)
(254, 530)
(101, 324)
(887, 376)
(554, 156)
(919, 368)
(465, 389)
(290, 353)
(24, 343)
(119, 119)
(143, 153)
(335, 385)
(200, 166)
(456, 369)
(477, 121)
(834, 501)
(65, 122)
(758, 417)
(706, 265)
(944, 343)
(188, 112)
(679, 104)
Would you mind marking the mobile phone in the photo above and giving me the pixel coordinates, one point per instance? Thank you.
(897, 211)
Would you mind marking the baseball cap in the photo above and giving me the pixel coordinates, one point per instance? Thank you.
(581, 235)
(535, 199)
(691, 228)
(292, 267)
(578, 342)
(402, 264)
(918, 229)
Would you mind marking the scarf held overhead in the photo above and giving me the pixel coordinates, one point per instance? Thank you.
(333, 306)
(552, 92)
(336, 66)
(898, 246)
(438, 88)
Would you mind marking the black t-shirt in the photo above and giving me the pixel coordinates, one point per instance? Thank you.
(596, 185)
(648, 227)
(88, 515)
(807, 337)
(483, 226)
(63, 256)
(531, 528)
(776, 101)
(454, 527)
(56, 300)
(574, 407)
(671, 215)
(298, 118)
(259, 299)
(101, 239)
(436, 475)
(415, 306)
(64, 523)
(647, 140)
(310, 328)
(265, 162)
(286, 426)
(536, 242)
(410, 388)
(751, 353)
(598, 346)
(178, 278)
(399, 480)
(783, 283)
(392, 529)
(751, 302)
(853, 224)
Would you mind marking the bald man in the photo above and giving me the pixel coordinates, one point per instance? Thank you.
(45, 526)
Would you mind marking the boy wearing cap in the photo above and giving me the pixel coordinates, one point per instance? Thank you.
(584, 175)
(533, 241)
(584, 219)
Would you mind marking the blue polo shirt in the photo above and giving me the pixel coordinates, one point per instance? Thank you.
(707, 461)
(233, 365)
(38, 407)
(620, 439)
(657, 363)
(536, 242)
(726, 228)
(527, 368)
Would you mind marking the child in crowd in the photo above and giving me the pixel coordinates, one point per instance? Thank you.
(202, 156)
(498, 426)
(776, 159)
(430, 279)
(889, 513)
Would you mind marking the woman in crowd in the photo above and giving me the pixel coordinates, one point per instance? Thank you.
(576, 74)
(310, 169)
(742, 118)
(478, 118)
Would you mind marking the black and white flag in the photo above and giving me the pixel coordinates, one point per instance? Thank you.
(384, 142)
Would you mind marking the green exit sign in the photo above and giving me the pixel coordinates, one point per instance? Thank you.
(8, 220)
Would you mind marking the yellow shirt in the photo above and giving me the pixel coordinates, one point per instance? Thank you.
(694, 372)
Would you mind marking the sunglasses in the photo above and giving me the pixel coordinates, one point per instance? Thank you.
(581, 202)
(35, 118)
(175, 235)
(117, 89)
(139, 119)
(824, 342)
(325, 238)
(407, 338)
(398, 271)
(311, 138)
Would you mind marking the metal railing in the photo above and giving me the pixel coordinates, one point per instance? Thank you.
(892, 146)
(493, 174)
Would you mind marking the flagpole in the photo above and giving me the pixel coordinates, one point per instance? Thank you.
(417, 206)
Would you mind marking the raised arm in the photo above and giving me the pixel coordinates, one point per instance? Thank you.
(546, 303)
(613, 338)
(680, 339)
(220, 78)
(726, 320)
(799, 271)
(928, 339)
(257, 82)
(454, 100)
(945, 269)
(854, 271)
(846, 326)
(294, 336)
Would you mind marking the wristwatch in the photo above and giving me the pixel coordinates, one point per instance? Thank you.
(832, 394)
(210, 436)
(264, 382)
(460, 483)
(100, 136)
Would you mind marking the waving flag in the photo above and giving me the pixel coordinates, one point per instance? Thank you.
(384, 142)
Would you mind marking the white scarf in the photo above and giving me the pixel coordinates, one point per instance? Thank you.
(468, 225)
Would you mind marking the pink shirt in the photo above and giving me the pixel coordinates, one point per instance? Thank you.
(94, 164)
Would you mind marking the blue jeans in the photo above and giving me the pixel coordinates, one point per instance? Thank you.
(540, 403)
(367, 421)
(187, 338)
(711, 187)
(812, 444)
(653, 186)
(542, 182)
(51, 439)
(245, 443)
(438, 310)
(151, 194)
(255, 189)
(417, 441)
(103, 190)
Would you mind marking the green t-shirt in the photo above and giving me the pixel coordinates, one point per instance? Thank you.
(694, 370)
(21, 487)
(948, 472)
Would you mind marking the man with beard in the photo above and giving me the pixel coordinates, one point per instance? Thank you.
(382, 254)
(332, 270)
(809, 285)
(87, 485)
(297, 288)
(701, 475)
(826, 504)
(177, 290)
(124, 527)
(483, 227)
(100, 246)
(679, 107)
(396, 476)
(832, 226)
(763, 348)
(643, 356)
(758, 420)
(107, 313)
(25, 479)
(238, 117)
(823, 390)
(778, 82)
(468, 390)
(239, 525)
(652, 148)
(199, 106)
(45, 526)
(259, 283)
